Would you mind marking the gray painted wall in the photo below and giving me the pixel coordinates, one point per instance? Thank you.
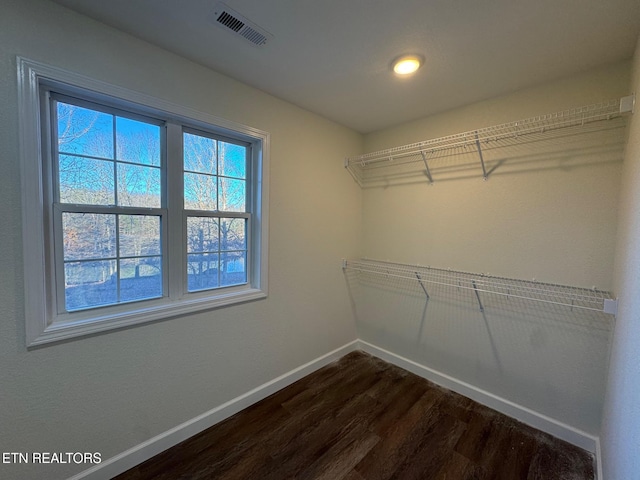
(620, 439)
(110, 392)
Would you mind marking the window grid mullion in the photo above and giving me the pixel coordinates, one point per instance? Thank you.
(109, 209)
(219, 249)
(176, 219)
(52, 164)
(58, 273)
(115, 163)
(218, 208)
(117, 235)
(250, 208)
(216, 214)
(122, 162)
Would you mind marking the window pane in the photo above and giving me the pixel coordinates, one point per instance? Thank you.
(233, 270)
(86, 181)
(139, 235)
(232, 195)
(140, 278)
(202, 234)
(137, 142)
(90, 284)
(200, 192)
(84, 132)
(233, 235)
(138, 186)
(202, 271)
(88, 236)
(199, 154)
(233, 160)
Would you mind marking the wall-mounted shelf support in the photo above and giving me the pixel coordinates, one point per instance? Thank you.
(611, 306)
(475, 289)
(479, 147)
(424, 289)
(627, 104)
(426, 166)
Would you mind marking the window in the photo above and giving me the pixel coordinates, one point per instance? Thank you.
(107, 206)
(134, 209)
(215, 199)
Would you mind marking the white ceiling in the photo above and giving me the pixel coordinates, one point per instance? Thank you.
(333, 57)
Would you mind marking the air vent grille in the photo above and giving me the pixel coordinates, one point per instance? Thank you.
(232, 20)
(253, 36)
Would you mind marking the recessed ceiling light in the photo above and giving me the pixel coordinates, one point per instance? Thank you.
(407, 64)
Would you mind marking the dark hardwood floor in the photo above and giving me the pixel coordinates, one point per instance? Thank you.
(361, 418)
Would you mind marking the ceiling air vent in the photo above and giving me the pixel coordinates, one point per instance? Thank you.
(235, 22)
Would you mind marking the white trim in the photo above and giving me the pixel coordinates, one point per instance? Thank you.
(65, 331)
(31, 72)
(40, 319)
(32, 201)
(145, 450)
(599, 470)
(530, 417)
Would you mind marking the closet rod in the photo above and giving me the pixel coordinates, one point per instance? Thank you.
(575, 117)
(564, 295)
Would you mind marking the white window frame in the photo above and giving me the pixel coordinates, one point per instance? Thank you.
(43, 323)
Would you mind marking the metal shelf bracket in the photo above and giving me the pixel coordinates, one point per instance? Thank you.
(475, 289)
(422, 285)
(426, 165)
(484, 170)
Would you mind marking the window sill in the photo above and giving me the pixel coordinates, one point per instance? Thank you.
(66, 330)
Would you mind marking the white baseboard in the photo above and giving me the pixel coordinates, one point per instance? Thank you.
(530, 417)
(599, 470)
(144, 451)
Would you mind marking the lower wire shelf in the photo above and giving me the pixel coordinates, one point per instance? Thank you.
(564, 295)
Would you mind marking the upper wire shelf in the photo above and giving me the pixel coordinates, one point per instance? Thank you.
(564, 295)
(584, 119)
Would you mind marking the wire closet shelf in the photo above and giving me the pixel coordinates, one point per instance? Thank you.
(574, 297)
(584, 119)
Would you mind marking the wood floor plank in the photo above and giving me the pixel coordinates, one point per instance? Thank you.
(550, 462)
(400, 441)
(458, 406)
(362, 419)
(314, 442)
(514, 455)
(340, 459)
(477, 438)
(354, 378)
(229, 438)
(400, 401)
(457, 467)
(353, 475)
(433, 451)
